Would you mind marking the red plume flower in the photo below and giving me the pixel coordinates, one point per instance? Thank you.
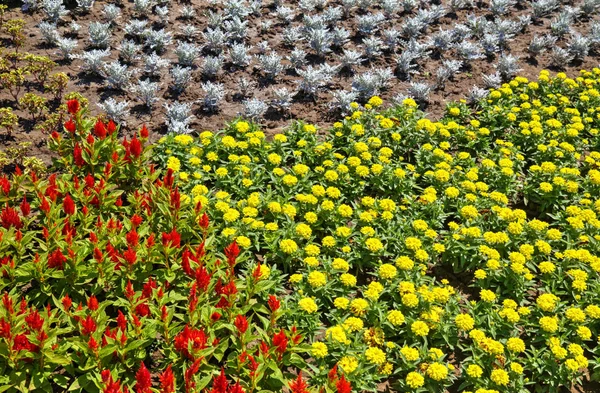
(100, 129)
(69, 205)
(241, 324)
(10, 218)
(231, 252)
(274, 303)
(25, 207)
(298, 385)
(56, 260)
(135, 147)
(78, 155)
(143, 380)
(70, 126)
(204, 222)
(67, 302)
(144, 133)
(73, 106)
(167, 381)
(280, 341)
(343, 386)
(92, 303)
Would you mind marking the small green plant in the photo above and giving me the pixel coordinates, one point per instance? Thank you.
(57, 84)
(8, 120)
(13, 81)
(34, 104)
(14, 28)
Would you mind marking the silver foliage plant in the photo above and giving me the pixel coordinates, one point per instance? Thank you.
(118, 111)
(178, 117)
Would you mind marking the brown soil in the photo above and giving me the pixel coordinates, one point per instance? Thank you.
(313, 111)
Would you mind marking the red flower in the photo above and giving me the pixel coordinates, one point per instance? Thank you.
(136, 220)
(68, 205)
(5, 329)
(204, 222)
(197, 338)
(21, 342)
(130, 256)
(100, 129)
(144, 133)
(56, 260)
(280, 341)
(55, 135)
(88, 325)
(142, 310)
(274, 303)
(5, 185)
(135, 147)
(202, 278)
(237, 388)
(111, 127)
(298, 385)
(93, 344)
(92, 303)
(231, 252)
(121, 321)
(34, 320)
(343, 386)
(25, 207)
(241, 324)
(78, 155)
(67, 302)
(215, 316)
(189, 374)
(10, 218)
(167, 381)
(220, 383)
(129, 292)
(70, 126)
(143, 380)
(149, 286)
(73, 106)
(132, 238)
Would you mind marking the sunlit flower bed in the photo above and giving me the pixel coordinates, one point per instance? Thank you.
(371, 219)
(389, 252)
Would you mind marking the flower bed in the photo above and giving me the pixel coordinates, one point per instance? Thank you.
(390, 251)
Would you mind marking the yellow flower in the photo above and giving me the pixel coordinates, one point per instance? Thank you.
(419, 328)
(437, 371)
(410, 354)
(317, 279)
(549, 324)
(474, 371)
(415, 380)
(288, 246)
(464, 322)
(395, 317)
(500, 377)
(308, 304)
(348, 364)
(387, 271)
(243, 241)
(319, 350)
(348, 279)
(375, 101)
(359, 306)
(341, 303)
(373, 244)
(375, 355)
(515, 344)
(487, 295)
(547, 301)
(174, 164)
